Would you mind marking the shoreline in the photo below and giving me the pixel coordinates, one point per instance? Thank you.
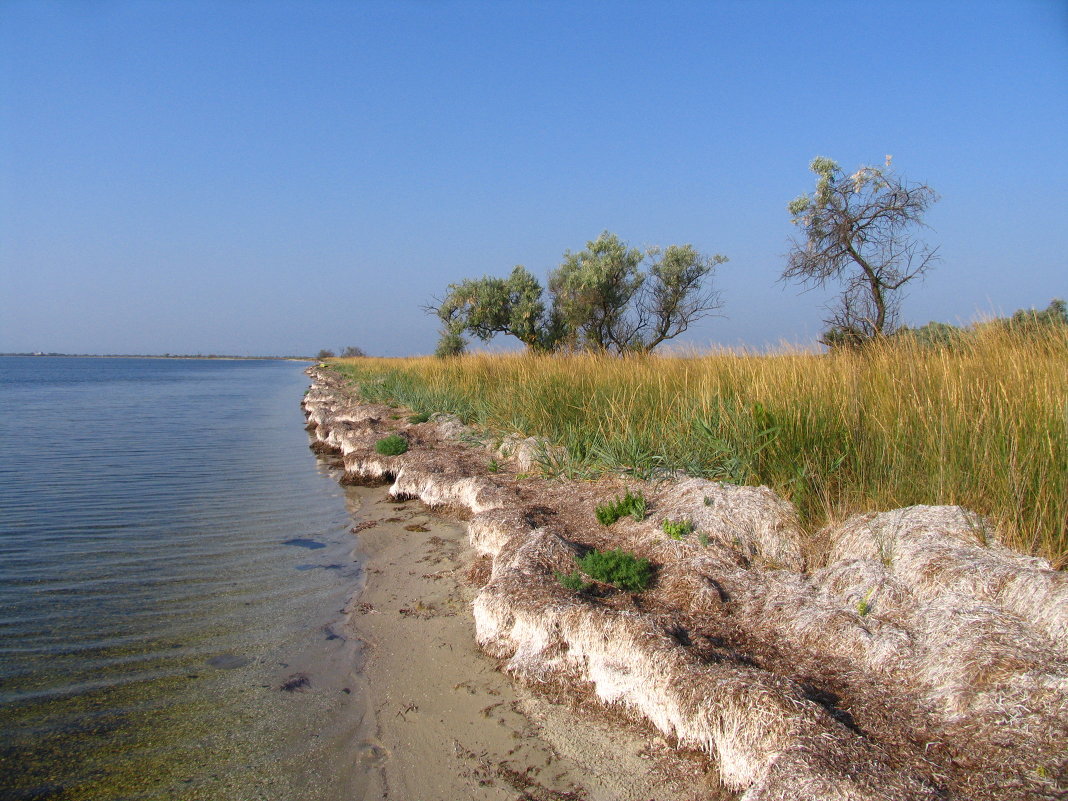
(867, 678)
(441, 720)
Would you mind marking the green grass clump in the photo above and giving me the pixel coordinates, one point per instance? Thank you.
(393, 445)
(574, 581)
(864, 604)
(619, 568)
(422, 417)
(629, 504)
(677, 529)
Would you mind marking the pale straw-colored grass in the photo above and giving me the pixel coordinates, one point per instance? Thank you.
(983, 425)
(924, 661)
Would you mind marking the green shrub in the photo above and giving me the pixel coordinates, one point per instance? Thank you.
(419, 418)
(864, 604)
(677, 529)
(393, 445)
(1030, 320)
(633, 505)
(703, 539)
(618, 568)
(574, 581)
(933, 335)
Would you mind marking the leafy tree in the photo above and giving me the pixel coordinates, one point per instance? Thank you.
(488, 306)
(857, 229)
(591, 293)
(675, 294)
(352, 352)
(598, 299)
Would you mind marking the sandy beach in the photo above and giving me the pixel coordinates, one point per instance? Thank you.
(443, 721)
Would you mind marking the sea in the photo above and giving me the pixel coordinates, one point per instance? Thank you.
(174, 565)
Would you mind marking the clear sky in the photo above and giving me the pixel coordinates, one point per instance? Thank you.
(278, 177)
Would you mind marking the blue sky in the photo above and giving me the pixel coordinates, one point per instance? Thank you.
(273, 178)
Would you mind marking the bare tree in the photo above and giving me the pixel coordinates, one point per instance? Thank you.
(858, 230)
(352, 352)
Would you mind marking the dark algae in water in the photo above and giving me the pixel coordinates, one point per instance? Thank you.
(228, 661)
(304, 542)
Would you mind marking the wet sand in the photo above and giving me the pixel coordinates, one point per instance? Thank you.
(442, 721)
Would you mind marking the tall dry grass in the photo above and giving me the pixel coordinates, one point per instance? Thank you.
(983, 425)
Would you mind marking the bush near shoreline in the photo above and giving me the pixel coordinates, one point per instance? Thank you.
(982, 424)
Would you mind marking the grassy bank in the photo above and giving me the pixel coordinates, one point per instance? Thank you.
(984, 424)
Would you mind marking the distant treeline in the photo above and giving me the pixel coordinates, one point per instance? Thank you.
(1023, 322)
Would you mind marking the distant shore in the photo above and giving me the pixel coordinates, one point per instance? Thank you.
(160, 356)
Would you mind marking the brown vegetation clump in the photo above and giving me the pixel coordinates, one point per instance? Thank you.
(924, 660)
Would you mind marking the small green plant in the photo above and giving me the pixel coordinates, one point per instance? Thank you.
(393, 445)
(619, 568)
(703, 539)
(419, 418)
(494, 466)
(677, 529)
(633, 505)
(574, 581)
(864, 604)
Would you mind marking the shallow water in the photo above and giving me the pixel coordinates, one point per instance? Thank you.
(173, 562)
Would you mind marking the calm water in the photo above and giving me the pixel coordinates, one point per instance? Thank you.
(171, 556)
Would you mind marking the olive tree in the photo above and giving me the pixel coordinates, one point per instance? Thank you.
(488, 306)
(675, 294)
(591, 293)
(859, 230)
(599, 299)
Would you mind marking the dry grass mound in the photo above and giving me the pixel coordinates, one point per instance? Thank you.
(925, 660)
